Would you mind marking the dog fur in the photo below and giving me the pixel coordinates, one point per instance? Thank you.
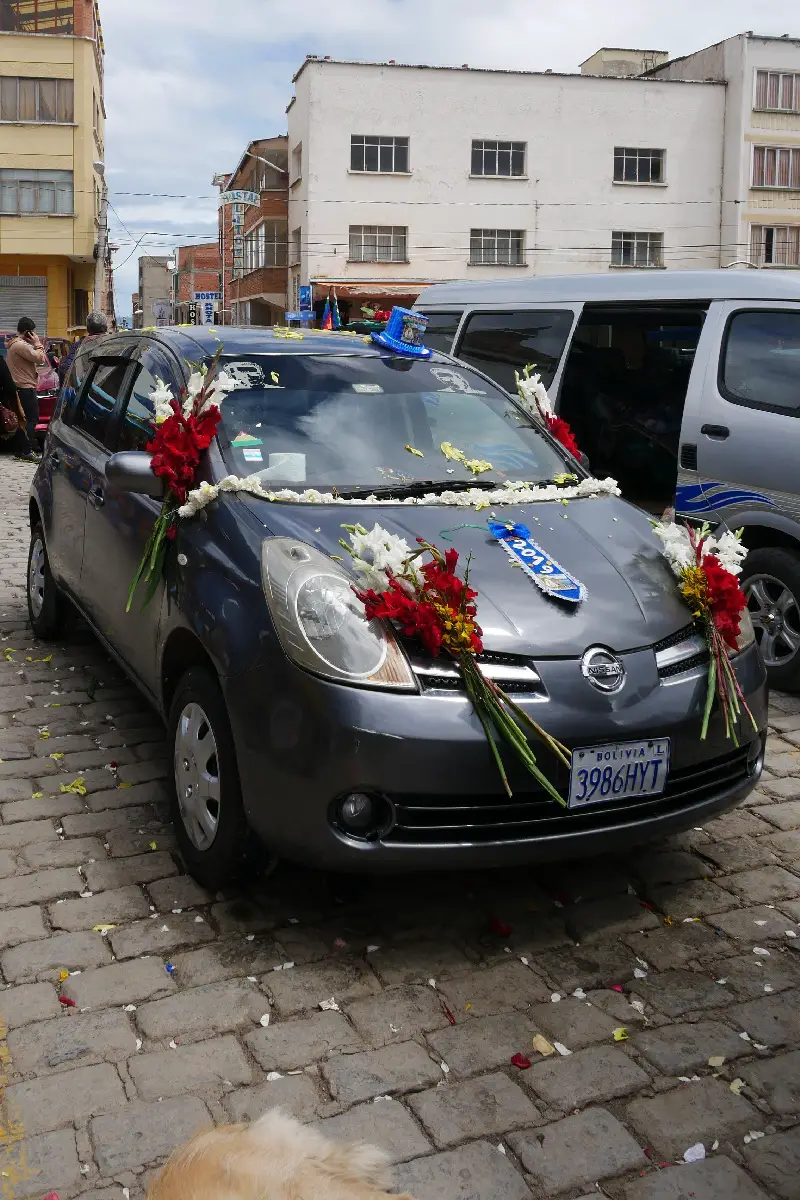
(275, 1158)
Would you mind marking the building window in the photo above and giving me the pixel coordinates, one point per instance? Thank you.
(777, 90)
(637, 249)
(632, 165)
(502, 159)
(34, 16)
(497, 247)
(383, 154)
(45, 100)
(297, 235)
(775, 245)
(43, 191)
(297, 162)
(378, 243)
(266, 246)
(776, 166)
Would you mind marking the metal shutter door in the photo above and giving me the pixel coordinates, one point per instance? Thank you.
(23, 296)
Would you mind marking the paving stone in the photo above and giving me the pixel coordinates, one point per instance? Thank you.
(679, 992)
(386, 1124)
(739, 823)
(619, 1005)
(695, 898)
(751, 924)
(715, 1179)
(765, 885)
(595, 1074)
(101, 822)
(202, 1011)
(76, 1039)
(242, 916)
(73, 1096)
(39, 887)
(494, 989)
(490, 1105)
(773, 1020)
(60, 952)
(483, 1044)
(573, 1022)
(792, 909)
(29, 1002)
(199, 1065)
(678, 1049)
(787, 844)
(120, 872)
(146, 1133)
(680, 945)
(417, 962)
(72, 852)
(473, 1172)
(126, 797)
(667, 866)
(25, 833)
(578, 1151)
(304, 988)
(228, 957)
(787, 815)
(293, 1094)
(777, 1080)
(397, 1015)
(195, 968)
(288, 1045)
(33, 809)
(706, 1111)
(122, 843)
(29, 768)
(398, 1068)
(775, 1161)
(160, 935)
(740, 854)
(104, 908)
(121, 983)
(179, 892)
(21, 925)
(145, 772)
(38, 1164)
(604, 919)
(750, 976)
(587, 966)
(15, 790)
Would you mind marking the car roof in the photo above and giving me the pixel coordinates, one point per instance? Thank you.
(196, 342)
(617, 286)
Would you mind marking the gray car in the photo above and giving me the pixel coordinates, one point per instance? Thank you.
(295, 726)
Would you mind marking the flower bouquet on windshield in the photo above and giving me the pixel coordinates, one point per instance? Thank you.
(707, 568)
(183, 430)
(537, 403)
(430, 601)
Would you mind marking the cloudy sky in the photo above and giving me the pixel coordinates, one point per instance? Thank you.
(190, 82)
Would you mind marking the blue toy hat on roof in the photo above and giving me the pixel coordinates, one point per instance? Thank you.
(404, 333)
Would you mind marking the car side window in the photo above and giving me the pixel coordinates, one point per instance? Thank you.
(137, 420)
(501, 343)
(760, 366)
(98, 400)
(441, 329)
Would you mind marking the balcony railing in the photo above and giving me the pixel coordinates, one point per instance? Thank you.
(37, 16)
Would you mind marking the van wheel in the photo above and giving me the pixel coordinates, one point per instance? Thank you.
(771, 581)
(47, 605)
(211, 828)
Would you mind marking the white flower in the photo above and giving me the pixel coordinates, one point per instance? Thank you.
(162, 398)
(731, 552)
(677, 547)
(533, 394)
(377, 554)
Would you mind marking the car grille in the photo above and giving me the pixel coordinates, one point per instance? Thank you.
(512, 672)
(476, 820)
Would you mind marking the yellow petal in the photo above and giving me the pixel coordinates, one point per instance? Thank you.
(125, 785)
(736, 1086)
(152, 845)
(36, 795)
(412, 450)
(62, 975)
(542, 1045)
(102, 928)
(57, 755)
(621, 1034)
(716, 1060)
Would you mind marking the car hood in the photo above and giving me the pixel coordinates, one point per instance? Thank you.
(632, 598)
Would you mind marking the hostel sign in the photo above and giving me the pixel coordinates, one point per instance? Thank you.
(238, 201)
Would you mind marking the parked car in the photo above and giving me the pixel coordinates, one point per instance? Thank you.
(47, 387)
(283, 716)
(683, 385)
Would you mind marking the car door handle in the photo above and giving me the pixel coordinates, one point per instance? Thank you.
(96, 497)
(716, 431)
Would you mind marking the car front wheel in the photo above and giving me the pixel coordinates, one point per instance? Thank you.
(771, 581)
(46, 603)
(211, 828)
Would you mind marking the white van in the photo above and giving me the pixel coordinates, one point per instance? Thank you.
(683, 385)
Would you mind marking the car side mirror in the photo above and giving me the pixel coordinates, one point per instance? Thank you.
(130, 472)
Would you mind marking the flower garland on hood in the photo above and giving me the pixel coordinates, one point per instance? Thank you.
(432, 602)
(182, 433)
(707, 568)
(538, 405)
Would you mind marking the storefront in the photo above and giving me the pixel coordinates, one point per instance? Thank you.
(358, 300)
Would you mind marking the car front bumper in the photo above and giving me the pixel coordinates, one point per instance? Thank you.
(303, 744)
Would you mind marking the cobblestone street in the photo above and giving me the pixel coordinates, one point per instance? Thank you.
(655, 997)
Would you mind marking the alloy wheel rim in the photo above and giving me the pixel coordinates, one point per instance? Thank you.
(36, 579)
(775, 613)
(197, 780)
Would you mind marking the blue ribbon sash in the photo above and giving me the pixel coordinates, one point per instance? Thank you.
(545, 572)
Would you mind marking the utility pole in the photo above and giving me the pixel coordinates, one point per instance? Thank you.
(102, 242)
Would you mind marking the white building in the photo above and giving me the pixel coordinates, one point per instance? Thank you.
(406, 175)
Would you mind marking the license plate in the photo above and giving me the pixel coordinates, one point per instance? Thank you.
(618, 771)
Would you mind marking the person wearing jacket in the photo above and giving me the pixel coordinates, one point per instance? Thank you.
(24, 354)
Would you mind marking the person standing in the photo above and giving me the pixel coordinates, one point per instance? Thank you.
(24, 354)
(96, 326)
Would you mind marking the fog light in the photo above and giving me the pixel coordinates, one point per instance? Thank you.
(356, 812)
(361, 815)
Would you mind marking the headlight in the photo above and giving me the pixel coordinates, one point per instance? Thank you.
(747, 635)
(320, 621)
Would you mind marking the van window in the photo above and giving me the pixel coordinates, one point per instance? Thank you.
(441, 330)
(623, 392)
(761, 361)
(99, 400)
(501, 343)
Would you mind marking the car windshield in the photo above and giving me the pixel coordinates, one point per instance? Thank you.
(370, 421)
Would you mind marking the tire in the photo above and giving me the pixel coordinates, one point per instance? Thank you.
(214, 838)
(771, 581)
(47, 604)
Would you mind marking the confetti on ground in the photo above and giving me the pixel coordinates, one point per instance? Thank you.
(736, 1086)
(541, 1045)
(445, 1068)
(76, 788)
(621, 1034)
(126, 785)
(448, 1012)
(273, 1075)
(556, 996)
(520, 1061)
(153, 845)
(65, 1000)
(761, 951)
(501, 928)
(752, 1136)
(562, 1049)
(58, 755)
(744, 1036)
(695, 1153)
(129, 1008)
(716, 1060)
(63, 975)
(329, 1005)
(264, 1020)
(169, 968)
(104, 929)
(638, 973)
(173, 1045)
(432, 983)
(372, 949)
(617, 987)
(639, 1006)
(339, 943)
(579, 994)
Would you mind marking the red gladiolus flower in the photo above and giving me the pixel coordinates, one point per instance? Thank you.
(519, 1060)
(726, 599)
(561, 430)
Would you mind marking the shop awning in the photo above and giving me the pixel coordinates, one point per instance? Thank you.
(367, 289)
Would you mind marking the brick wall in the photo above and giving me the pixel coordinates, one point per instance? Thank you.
(198, 270)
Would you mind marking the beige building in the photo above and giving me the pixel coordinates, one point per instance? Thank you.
(155, 291)
(51, 134)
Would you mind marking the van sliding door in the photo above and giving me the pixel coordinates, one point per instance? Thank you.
(502, 341)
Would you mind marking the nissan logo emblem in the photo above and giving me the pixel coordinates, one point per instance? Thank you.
(603, 669)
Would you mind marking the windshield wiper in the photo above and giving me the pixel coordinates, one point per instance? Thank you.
(418, 486)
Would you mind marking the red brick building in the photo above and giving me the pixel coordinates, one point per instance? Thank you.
(254, 238)
(197, 283)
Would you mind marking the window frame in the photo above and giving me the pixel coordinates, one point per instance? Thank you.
(640, 154)
(383, 141)
(780, 74)
(381, 231)
(480, 145)
(108, 444)
(510, 235)
(175, 379)
(522, 310)
(792, 172)
(636, 234)
(39, 179)
(68, 85)
(731, 397)
(758, 245)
